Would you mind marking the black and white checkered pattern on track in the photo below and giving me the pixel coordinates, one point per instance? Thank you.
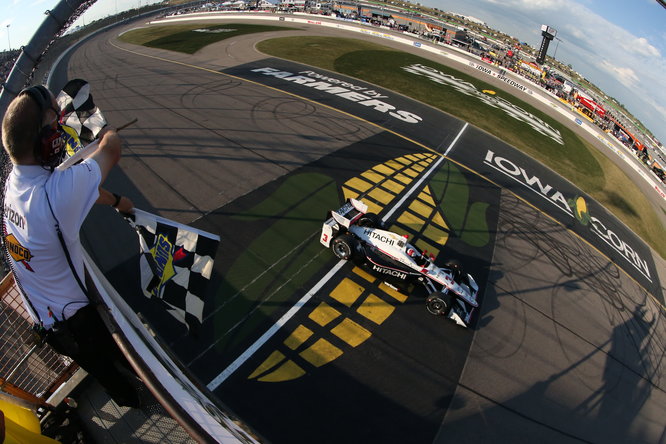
(566, 350)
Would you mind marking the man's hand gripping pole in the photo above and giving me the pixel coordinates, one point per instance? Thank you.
(87, 150)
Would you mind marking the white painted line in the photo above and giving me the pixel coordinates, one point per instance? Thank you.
(219, 379)
(424, 177)
(448, 150)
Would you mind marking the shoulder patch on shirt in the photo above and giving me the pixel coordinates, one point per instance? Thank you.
(18, 252)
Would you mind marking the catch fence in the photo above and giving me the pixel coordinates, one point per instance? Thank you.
(28, 371)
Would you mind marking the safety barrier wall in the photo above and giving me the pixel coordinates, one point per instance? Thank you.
(186, 401)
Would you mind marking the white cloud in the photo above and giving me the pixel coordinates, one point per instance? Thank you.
(626, 76)
(575, 31)
(641, 46)
(532, 4)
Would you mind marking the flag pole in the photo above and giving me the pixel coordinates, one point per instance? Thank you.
(87, 150)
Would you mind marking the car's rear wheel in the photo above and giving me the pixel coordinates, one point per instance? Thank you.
(344, 246)
(439, 303)
(370, 220)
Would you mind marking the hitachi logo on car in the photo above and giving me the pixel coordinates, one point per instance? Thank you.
(380, 237)
(394, 273)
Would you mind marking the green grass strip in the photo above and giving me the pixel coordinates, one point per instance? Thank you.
(191, 38)
(287, 246)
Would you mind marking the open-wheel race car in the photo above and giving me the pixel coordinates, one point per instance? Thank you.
(354, 234)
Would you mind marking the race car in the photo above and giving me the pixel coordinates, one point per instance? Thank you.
(355, 235)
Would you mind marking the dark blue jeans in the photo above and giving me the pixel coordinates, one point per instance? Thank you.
(94, 349)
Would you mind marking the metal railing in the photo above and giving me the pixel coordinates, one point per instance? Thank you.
(27, 371)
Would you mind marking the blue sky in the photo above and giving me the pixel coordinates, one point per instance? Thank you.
(619, 45)
(25, 16)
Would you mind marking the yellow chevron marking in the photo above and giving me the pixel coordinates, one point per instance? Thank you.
(347, 292)
(381, 196)
(394, 164)
(297, 337)
(274, 359)
(372, 176)
(411, 173)
(418, 167)
(350, 332)
(391, 292)
(287, 371)
(420, 208)
(439, 220)
(320, 353)
(426, 197)
(358, 184)
(393, 186)
(436, 235)
(375, 309)
(347, 193)
(383, 169)
(402, 178)
(365, 275)
(373, 207)
(403, 160)
(324, 314)
(411, 220)
(413, 157)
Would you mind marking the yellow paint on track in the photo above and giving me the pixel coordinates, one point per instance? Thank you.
(375, 309)
(347, 292)
(320, 353)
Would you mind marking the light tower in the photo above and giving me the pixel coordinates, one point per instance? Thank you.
(548, 34)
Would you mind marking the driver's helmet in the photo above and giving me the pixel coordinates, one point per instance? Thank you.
(420, 259)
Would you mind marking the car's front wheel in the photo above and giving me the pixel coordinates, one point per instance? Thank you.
(439, 303)
(344, 246)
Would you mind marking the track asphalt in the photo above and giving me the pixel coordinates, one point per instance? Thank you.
(568, 345)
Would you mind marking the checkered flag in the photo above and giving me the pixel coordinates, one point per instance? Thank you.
(176, 264)
(79, 111)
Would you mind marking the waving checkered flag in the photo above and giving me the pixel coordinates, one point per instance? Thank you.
(79, 110)
(176, 264)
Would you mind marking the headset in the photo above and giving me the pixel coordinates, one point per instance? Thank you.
(49, 145)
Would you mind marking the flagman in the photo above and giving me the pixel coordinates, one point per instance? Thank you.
(43, 213)
(72, 138)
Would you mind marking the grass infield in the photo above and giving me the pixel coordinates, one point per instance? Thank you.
(576, 160)
(191, 38)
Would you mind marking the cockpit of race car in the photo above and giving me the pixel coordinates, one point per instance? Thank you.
(355, 235)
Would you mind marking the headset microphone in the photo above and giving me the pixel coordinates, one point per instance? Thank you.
(49, 144)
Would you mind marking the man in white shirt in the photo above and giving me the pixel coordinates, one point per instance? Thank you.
(39, 202)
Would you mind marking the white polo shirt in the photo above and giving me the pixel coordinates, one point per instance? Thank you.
(37, 257)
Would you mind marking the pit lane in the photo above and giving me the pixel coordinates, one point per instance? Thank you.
(411, 357)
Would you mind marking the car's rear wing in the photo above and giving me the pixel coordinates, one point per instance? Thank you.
(349, 213)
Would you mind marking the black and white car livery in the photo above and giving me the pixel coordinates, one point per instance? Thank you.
(356, 235)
